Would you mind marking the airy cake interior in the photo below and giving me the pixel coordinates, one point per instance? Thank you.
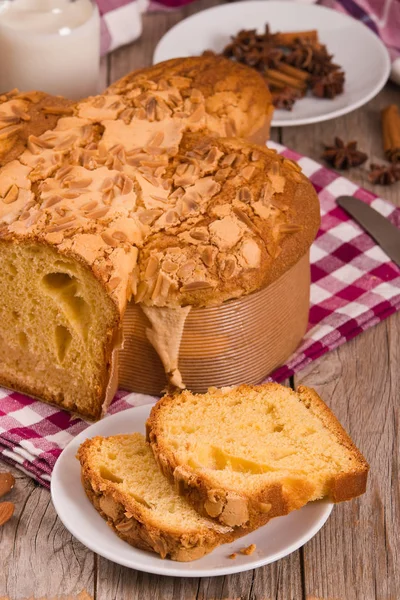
(128, 462)
(56, 327)
(245, 438)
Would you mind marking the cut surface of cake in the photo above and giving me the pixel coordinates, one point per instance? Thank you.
(250, 453)
(58, 328)
(122, 480)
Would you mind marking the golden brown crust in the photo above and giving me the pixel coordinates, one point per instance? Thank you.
(236, 95)
(128, 520)
(138, 534)
(253, 509)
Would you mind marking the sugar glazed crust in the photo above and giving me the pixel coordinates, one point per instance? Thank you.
(126, 518)
(26, 114)
(232, 99)
(254, 509)
(213, 218)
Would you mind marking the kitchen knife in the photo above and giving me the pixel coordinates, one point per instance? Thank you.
(378, 226)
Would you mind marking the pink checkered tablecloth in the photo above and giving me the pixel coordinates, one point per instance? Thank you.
(354, 286)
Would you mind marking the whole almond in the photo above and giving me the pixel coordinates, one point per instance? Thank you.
(6, 512)
(7, 483)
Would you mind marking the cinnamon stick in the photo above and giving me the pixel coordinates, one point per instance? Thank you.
(277, 77)
(274, 85)
(294, 72)
(391, 133)
(290, 37)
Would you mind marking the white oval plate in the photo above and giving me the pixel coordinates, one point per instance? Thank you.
(356, 48)
(275, 540)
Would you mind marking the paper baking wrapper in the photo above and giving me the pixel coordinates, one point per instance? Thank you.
(240, 341)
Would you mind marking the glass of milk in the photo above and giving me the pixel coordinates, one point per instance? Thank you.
(50, 45)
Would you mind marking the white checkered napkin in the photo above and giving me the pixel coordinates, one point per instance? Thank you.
(354, 286)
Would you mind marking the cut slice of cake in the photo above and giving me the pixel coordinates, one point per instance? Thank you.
(59, 330)
(247, 454)
(123, 482)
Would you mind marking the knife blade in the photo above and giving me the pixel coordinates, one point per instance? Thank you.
(379, 227)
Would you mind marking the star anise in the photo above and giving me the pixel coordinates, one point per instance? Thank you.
(254, 50)
(329, 85)
(344, 156)
(285, 98)
(311, 57)
(384, 174)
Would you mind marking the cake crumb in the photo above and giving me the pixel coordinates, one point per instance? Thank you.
(249, 550)
(233, 556)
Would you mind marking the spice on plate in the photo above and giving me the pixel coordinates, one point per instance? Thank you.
(384, 174)
(343, 156)
(311, 56)
(328, 86)
(291, 63)
(391, 133)
(285, 98)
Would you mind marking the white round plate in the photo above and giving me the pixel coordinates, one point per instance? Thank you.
(275, 540)
(356, 48)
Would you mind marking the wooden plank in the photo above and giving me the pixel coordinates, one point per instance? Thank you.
(355, 554)
(280, 581)
(114, 582)
(38, 557)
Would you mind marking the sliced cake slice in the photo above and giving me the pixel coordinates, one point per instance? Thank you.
(247, 454)
(123, 482)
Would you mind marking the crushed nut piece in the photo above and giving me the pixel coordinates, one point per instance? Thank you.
(196, 286)
(6, 512)
(7, 482)
(249, 550)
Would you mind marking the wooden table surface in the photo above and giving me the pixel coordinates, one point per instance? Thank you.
(356, 555)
